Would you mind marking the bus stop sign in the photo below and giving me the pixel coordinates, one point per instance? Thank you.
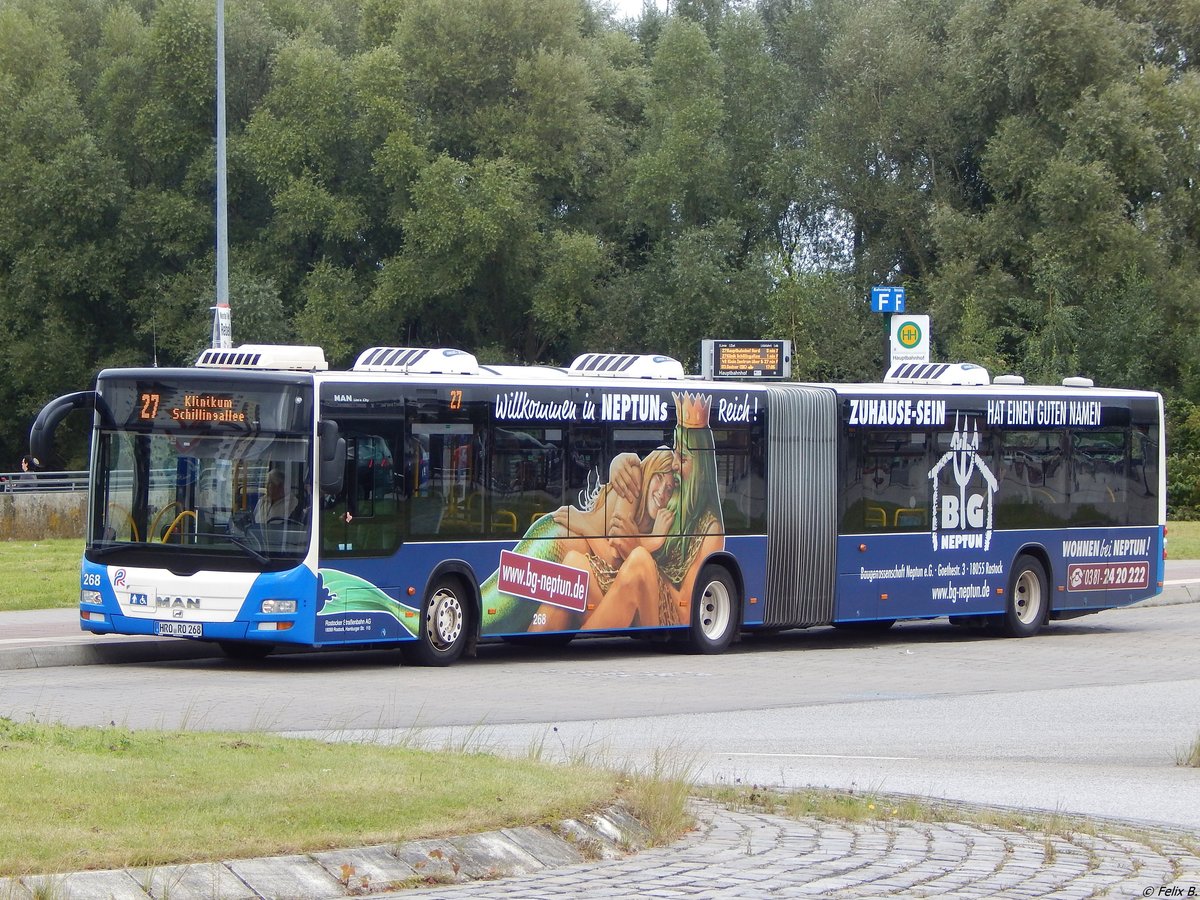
(910, 339)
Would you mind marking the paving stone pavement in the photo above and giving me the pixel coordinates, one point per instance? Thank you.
(737, 854)
(731, 854)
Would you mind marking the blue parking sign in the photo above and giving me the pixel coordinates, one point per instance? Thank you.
(886, 299)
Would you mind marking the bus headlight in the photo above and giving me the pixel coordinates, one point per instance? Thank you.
(278, 607)
(92, 597)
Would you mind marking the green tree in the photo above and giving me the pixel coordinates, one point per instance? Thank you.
(1057, 229)
(60, 273)
(834, 335)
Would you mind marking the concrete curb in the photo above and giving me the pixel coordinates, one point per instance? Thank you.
(1174, 593)
(79, 653)
(610, 834)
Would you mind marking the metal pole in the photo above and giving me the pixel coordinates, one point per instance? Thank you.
(222, 335)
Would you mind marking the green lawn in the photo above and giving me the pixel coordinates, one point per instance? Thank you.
(100, 798)
(39, 574)
(1183, 540)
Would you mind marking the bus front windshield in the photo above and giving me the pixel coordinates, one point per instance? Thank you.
(206, 495)
(213, 496)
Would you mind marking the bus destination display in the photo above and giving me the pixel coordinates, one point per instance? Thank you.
(191, 408)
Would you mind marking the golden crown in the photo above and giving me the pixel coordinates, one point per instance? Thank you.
(692, 410)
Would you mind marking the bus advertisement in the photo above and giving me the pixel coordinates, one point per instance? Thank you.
(428, 502)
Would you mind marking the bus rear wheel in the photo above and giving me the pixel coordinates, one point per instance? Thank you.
(715, 606)
(1028, 604)
(445, 627)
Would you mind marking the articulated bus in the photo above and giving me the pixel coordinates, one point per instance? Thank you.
(427, 502)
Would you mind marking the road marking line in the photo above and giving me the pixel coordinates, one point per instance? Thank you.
(822, 756)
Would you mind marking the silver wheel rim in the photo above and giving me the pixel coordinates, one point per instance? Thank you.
(715, 610)
(444, 622)
(1027, 602)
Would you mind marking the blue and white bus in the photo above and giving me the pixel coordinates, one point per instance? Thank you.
(426, 501)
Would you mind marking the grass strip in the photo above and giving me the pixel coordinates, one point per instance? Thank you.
(1183, 540)
(869, 807)
(39, 574)
(98, 798)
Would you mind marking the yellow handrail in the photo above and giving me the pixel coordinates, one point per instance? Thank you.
(178, 518)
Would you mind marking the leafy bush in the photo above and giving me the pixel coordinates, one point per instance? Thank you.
(1183, 459)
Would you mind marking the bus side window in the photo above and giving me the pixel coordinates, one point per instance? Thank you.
(526, 476)
(453, 494)
(1098, 477)
(895, 481)
(1142, 489)
(741, 478)
(1032, 478)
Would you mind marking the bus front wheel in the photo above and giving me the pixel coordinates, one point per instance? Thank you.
(445, 627)
(1028, 604)
(715, 606)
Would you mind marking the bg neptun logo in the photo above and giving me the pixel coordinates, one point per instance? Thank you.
(963, 521)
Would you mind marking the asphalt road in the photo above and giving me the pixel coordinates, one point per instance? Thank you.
(1088, 717)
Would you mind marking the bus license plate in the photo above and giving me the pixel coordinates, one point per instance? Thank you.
(179, 629)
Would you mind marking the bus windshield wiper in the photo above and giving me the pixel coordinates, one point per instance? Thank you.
(96, 551)
(237, 542)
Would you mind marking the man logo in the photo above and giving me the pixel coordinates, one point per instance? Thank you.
(963, 521)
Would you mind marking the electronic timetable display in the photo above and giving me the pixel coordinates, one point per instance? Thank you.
(746, 359)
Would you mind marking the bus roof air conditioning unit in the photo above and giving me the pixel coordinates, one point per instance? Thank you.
(265, 356)
(938, 373)
(623, 365)
(417, 361)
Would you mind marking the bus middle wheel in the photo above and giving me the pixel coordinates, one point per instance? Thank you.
(715, 607)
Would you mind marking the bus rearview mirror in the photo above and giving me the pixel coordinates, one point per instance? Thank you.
(332, 458)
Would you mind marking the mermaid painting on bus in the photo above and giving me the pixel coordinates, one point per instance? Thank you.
(641, 539)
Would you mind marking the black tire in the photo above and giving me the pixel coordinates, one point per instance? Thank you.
(245, 651)
(1028, 605)
(716, 605)
(445, 626)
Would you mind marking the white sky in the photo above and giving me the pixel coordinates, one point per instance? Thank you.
(631, 9)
